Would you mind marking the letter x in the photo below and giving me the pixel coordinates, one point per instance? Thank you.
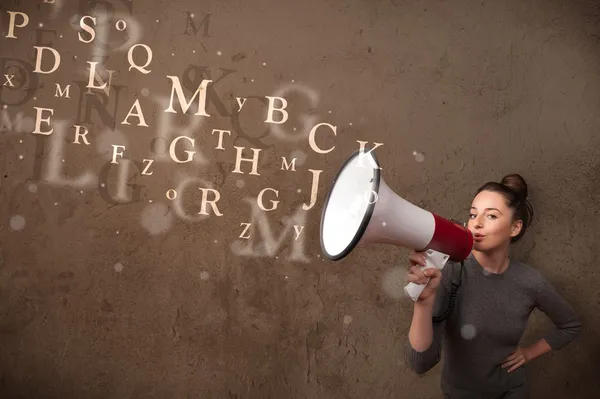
(9, 79)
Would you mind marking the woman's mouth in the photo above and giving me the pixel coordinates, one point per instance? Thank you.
(478, 237)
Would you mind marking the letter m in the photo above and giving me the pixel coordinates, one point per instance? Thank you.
(190, 24)
(62, 93)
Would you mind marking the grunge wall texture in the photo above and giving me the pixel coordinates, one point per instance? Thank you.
(110, 290)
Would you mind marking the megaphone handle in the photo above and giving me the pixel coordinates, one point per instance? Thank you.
(414, 290)
(432, 259)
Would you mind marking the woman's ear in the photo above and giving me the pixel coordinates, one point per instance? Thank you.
(516, 228)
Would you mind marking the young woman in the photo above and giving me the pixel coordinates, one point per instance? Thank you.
(480, 336)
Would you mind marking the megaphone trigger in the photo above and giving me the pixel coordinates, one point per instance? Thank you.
(433, 259)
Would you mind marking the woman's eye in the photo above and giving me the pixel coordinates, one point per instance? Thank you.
(471, 215)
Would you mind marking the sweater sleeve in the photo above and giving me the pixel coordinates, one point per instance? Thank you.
(421, 362)
(566, 322)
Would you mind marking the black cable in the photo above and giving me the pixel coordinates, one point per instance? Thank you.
(453, 291)
(452, 300)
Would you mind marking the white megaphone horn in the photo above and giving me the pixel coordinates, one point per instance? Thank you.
(361, 209)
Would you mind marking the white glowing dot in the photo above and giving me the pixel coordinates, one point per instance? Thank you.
(329, 111)
(299, 190)
(347, 319)
(318, 256)
(219, 52)
(40, 24)
(63, 160)
(286, 277)
(61, 36)
(118, 267)
(350, 123)
(264, 64)
(252, 80)
(299, 155)
(17, 223)
(294, 129)
(32, 188)
(277, 257)
(173, 54)
(393, 282)
(20, 156)
(35, 98)
(468, 331)
(56, 203)
(102, 185)
(117, 231)
(74, 56)
(192, 15)
(20, 141)
(204, 275)
(157, 20)
(419, 157)
(383, 224)
(5, 106)
(80, 191)
(293, 80)
(150, 201)
(156, 219)
(194, 51)
(28, 124)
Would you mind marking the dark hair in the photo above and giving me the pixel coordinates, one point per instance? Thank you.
(514, 190)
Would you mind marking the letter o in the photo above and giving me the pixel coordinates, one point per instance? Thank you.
(368, 197)
(171, 193)
(121, 23)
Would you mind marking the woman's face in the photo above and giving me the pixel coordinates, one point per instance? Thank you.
(490, 221)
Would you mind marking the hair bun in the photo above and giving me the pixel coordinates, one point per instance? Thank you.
(516, 183)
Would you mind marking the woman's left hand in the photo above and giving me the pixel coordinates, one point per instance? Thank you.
(516, 359)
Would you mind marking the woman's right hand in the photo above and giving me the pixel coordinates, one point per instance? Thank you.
(415, 275)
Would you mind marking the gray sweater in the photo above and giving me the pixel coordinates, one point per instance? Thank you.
(486, 325)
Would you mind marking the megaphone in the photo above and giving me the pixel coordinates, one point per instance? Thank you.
(361, 209)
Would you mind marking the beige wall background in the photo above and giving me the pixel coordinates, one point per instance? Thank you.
(108, 289)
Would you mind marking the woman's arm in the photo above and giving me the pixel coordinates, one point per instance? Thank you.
(537, 349)
(420, 335)
(566, 322)
(424, 339)
(424, 347)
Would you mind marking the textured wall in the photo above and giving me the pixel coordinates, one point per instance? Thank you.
(108, 289)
